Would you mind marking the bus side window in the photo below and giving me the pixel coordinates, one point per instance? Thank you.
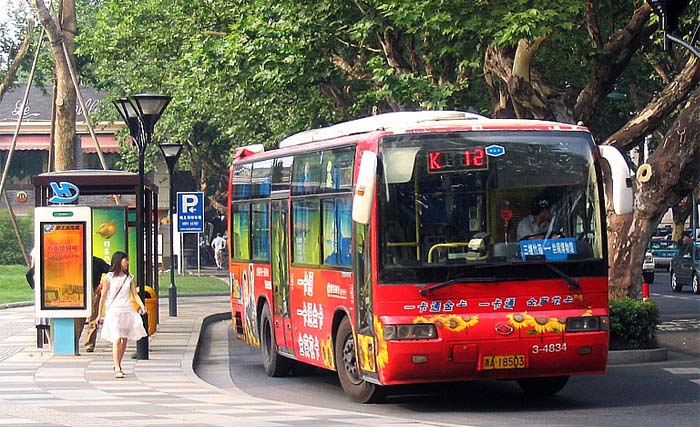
(261, 179)
(305, 231)
(241, 181)
(240, 229)
(261, 232)
(336, 169)
(281, 173)
(337, 232)
(306, 174)
(330, 233)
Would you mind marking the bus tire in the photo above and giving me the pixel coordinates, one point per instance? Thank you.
(539, 387)
(349, 373)
(275, 364)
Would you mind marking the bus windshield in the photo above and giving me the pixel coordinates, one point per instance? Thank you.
(451, 204)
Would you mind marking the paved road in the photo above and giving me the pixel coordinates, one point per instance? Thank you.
(666, 393)
(680, 315)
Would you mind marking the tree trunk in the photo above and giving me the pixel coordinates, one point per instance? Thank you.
(65, 94)
(676, 172)
(9, 78)
(681, 212)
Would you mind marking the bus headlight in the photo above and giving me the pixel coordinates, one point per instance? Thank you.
(410, 332)
(587, 324)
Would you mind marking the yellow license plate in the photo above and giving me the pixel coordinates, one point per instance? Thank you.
(511, 361)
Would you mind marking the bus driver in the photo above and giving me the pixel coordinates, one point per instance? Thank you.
(536, 224)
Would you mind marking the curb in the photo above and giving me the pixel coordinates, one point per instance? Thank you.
(16, 304)
(623, 357)
(204, 294)
(192, 352)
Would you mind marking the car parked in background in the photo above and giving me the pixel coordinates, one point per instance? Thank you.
(648, 268)
(685, 267)
(662, 251)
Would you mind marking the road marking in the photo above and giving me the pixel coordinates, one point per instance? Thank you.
(681, 297)
(683, 371)
(680, 325)
(695, 381)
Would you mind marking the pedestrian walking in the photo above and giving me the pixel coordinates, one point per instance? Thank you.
(219, 244)
(121, 323)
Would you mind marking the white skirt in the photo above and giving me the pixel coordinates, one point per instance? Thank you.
(122, 325)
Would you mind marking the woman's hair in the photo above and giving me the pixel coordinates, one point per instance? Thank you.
(116, 265)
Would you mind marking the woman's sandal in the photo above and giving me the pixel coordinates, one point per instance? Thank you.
(118, 373)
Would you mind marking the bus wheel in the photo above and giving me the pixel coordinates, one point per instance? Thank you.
(275, 364)
(349, 373)
(542, 386)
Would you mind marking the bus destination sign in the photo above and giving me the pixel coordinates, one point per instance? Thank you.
(471, 159)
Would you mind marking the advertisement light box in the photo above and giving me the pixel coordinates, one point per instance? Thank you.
(63, 267)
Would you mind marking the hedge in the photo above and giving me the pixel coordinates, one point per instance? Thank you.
(633, 324)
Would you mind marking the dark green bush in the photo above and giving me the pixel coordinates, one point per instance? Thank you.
(633, 324)
(10, 252)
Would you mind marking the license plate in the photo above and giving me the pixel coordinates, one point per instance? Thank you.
(511, 361)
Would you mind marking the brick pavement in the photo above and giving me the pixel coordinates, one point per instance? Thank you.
(37, 388)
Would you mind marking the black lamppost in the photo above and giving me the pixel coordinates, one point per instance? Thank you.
(669, 12)
(140, 113)
(171, 152)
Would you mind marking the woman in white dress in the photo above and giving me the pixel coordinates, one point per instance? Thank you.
(121, 323)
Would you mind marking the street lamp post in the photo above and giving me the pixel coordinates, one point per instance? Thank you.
(140, 113)
(171, 152)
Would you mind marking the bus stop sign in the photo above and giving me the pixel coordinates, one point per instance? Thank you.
(190, 212)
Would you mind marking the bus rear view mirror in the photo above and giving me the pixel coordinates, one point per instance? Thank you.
(364, 188)
(622, 196)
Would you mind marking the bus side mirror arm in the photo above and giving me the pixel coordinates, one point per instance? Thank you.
(364, 188)
(622, 195)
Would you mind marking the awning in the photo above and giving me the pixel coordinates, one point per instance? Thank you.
(108, 142)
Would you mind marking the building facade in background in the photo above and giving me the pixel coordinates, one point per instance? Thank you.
(31, 154)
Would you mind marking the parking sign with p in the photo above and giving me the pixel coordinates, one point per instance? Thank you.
(190, 212)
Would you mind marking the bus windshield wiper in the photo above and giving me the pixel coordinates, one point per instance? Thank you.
(450, 282)
(568, 279)
(573, 284)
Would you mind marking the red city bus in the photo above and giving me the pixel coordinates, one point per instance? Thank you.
(425, 247)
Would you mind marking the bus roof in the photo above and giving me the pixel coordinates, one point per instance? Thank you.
(411, 122)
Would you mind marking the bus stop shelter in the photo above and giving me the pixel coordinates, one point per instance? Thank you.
(115, 189)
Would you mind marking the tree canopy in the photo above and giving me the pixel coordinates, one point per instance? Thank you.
(244, 72)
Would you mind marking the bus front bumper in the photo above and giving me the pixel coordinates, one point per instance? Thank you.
(438, 360)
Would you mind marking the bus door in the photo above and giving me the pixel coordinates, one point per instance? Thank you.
(280, 274)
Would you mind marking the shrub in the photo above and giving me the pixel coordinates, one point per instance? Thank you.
(633, 324)
(10, 252)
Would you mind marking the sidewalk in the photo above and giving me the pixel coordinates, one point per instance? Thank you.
(39, 389)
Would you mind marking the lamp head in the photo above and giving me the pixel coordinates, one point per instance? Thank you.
(171, 152)
(130, 117)
(149, 107)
